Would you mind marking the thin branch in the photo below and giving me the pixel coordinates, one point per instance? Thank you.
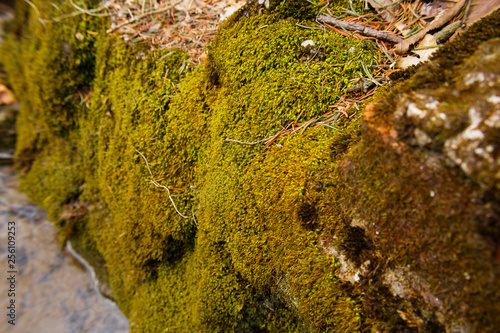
(363, 30)
(250, 143)
(162, 186)
(444, 34)
(33, 6)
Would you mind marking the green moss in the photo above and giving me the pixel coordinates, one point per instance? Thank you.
(8, 116)
(313, 233)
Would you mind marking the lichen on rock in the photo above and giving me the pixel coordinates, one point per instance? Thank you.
(463, 117)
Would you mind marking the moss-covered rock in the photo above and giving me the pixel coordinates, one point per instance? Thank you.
(431, 216)
(383, 223)
(8, 115)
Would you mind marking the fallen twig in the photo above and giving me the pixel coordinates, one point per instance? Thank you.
(34, 7)
(164, 187)
(445, 33)
(290, 128)
(363, 30)
(250, 143)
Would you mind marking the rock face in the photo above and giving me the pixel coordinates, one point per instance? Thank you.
(54, 291)
(471, 100)
(389, 222)
(428, 159)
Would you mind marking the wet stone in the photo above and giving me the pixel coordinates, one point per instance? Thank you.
(53, 292)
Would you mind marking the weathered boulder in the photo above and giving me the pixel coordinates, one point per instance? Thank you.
(386, 222)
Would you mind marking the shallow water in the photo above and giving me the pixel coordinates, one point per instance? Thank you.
(54, 292)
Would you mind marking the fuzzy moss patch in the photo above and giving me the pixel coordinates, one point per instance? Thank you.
(329, 229)
(181, 132)
(7, 123)
(51, 88)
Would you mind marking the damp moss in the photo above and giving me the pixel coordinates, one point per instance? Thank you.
(7, 123)
(327, 229)
(181, 132)
(59, 74)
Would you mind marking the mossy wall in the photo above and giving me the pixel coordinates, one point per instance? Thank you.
(382, 223)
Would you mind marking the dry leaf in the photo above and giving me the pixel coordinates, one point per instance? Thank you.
(426, 47)
(423, 51)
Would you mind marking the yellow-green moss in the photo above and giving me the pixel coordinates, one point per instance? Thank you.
(8, 116)
(261, 248)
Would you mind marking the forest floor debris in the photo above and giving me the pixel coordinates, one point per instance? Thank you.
(394, 27)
